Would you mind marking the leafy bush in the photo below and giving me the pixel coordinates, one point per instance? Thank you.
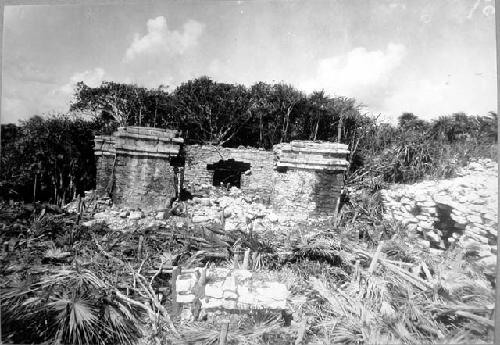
(68, 307)
(416, 149)
(49, 159)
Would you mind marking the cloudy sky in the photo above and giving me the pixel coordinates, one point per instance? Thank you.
(429, 57)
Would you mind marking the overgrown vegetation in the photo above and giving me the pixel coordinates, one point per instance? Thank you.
(48, 159)
(365, 281)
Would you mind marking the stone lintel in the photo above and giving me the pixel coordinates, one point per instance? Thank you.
(317, 145)
(148, 131)
(321, 150)
(149, 137)
(104, 153)
(143, 154)
(330, 165)
(158, 149)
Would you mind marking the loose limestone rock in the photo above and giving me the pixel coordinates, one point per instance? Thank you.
(462, 210)
(135, 215)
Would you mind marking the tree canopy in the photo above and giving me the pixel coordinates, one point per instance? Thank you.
(206, 111)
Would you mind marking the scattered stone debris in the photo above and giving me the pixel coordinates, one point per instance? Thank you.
(460, 211)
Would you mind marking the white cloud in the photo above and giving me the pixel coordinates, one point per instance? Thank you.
(471, 93)
(160, 40)
(358, 73)
(92, 78)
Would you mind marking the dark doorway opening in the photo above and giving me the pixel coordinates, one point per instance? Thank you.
(446, 224)
(228, 172)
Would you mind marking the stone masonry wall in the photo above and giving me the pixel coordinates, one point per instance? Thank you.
(104, 150)
(140, 158)
(257, 181)
(308, 178)
(300, 193)
(104, 173)
(460, 211)
(143, 182)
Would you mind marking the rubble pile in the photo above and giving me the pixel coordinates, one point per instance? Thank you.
(460, 211)
(232, 209)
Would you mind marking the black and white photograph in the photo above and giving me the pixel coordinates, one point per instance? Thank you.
(224, 172)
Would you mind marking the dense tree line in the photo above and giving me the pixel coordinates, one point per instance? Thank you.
(51, 158)
(48, 158)
(206, 111)
(415, 148)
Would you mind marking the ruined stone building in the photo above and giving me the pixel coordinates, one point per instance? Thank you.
(147, 168)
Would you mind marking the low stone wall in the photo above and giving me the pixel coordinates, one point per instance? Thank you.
(308, 178)
(257, 180)
(460, 211)
(229, 290)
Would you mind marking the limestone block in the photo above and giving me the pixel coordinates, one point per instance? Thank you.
(408, 208)
(227, 212)
(475, 218)
(442, 199)
(412, 226)
(211, 303)
(246, 297)
(185, 283)
(230, 304)
(489, 261)
(425, 243)
(492, 231)
(405, 221)
(230, 286)
(427, 204)
(459, 219)
(426, 225)
(188, 298)
(428, 209)
(242, 275)
(135, 215)
(273, 295)
(478, 201)
(436, 252)
(433, 236)
(101, 216)
(91, 222)
(490, 216)
(202, 219)
(421, 198)
(214, 289)
(203, 201)
(162, 215)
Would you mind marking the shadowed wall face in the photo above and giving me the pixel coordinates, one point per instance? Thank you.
(308, 179)
(143, 182)
(104, 151)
